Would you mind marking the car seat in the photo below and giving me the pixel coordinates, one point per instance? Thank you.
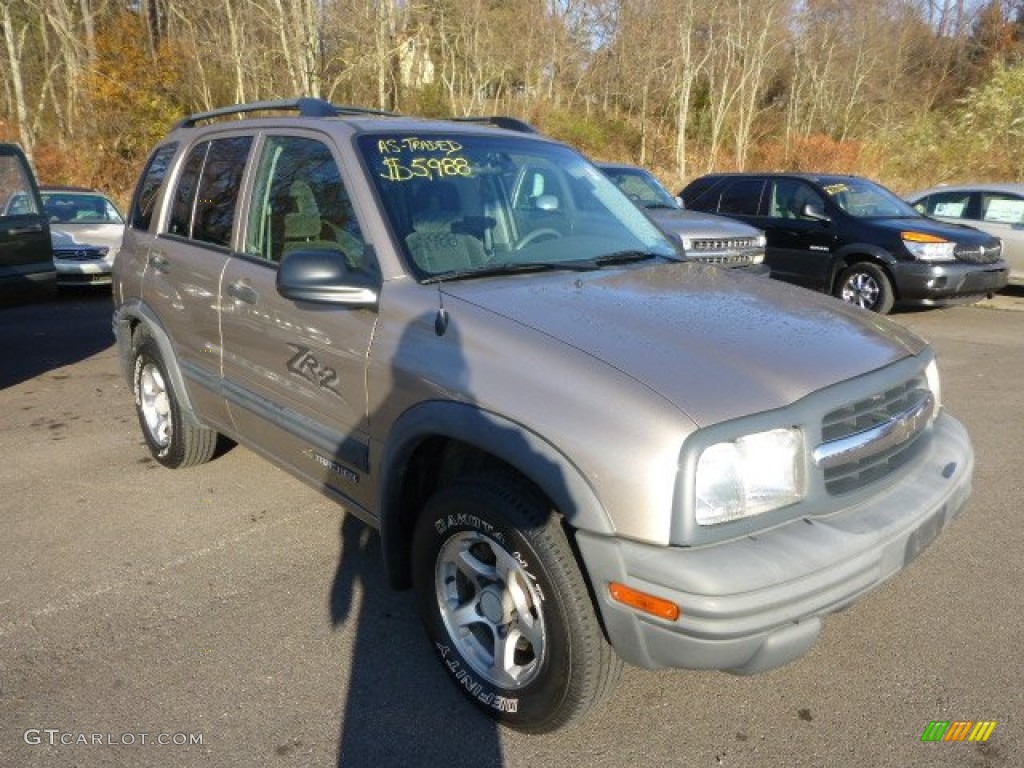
(434, 244)
(303, 226)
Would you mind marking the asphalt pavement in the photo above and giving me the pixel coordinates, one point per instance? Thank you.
(228, 615)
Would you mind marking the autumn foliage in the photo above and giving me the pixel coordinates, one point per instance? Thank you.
(132, 97)
(910, 92)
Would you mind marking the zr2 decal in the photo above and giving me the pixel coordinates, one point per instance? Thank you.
(308, 367)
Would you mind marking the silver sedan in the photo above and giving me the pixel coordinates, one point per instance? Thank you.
(994, 208)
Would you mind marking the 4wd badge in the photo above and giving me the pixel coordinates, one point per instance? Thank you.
(308, 367)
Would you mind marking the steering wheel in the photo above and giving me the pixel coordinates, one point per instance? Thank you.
(525, 240)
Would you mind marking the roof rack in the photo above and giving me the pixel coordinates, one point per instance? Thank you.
(501, 121)
(306, 107)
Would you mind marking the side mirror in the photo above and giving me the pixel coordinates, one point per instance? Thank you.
(323, 277)
(546, 203)
(679, 202)
(813, 211)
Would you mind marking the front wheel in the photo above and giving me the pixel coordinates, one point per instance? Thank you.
(506, 607)
(867, 286)
(172, 441)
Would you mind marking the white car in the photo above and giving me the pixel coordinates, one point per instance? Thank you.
(86, 230)
(997, 209)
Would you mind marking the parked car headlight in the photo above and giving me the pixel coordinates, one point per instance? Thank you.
(750, 475)
(925, 247)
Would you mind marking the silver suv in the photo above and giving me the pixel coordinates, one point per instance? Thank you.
(704, 237)
(571, 439)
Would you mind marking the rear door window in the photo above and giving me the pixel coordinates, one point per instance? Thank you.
(206, 195)
(742, 196)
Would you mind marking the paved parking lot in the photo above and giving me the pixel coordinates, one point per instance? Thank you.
(229, 616)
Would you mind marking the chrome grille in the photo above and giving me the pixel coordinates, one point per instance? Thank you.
(728, 261)
(978, 254)
(732, 251)
(865, 441)
(724, 244)
(78, 254)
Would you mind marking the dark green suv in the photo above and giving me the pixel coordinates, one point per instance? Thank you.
(854, 239)
(26, 255)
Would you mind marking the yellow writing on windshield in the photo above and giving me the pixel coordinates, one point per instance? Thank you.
(412, 161)
(415, 144)
(425, 168)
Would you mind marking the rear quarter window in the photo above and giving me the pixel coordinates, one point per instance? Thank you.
(144, 201)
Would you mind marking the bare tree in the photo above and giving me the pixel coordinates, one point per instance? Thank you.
(686, 68)
(14, 39)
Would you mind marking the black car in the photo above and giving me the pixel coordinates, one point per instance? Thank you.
(854, 239)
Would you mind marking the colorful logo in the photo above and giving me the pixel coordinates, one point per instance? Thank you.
(958, 730)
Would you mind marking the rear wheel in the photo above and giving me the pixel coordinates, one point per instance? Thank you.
(866, 285)
(506, 607)
(171, 441)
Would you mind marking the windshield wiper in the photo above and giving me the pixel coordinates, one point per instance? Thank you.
(522, 267)
(624, 257)
(511, 268)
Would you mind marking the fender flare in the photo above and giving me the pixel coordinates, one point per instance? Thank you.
(138, 315)
(522, 449)
(851, 254)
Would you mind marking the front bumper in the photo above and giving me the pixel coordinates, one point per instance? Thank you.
(924, 284)
(755, 603)
(96, 272)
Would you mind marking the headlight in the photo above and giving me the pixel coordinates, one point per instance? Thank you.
(925, 247)
(750, 475)
(931, 373)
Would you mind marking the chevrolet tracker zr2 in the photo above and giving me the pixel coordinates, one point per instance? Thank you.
(579, 447)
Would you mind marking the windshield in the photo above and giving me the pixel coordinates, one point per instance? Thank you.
(77, 208)
(640, 187)
(864, 199)
(463, 204)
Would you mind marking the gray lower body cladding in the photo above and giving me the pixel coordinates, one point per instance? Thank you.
(756, 602)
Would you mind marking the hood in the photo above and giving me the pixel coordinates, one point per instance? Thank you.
(65, 235)
(693, 224)
(959, 233)
(716, 345)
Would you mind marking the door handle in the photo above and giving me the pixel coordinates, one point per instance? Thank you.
(31, 229)
(243, 292)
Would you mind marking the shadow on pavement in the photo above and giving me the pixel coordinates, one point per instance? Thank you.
(37, 338)
(400, 709)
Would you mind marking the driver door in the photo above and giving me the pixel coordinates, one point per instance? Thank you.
(799, 246)
(294, 372)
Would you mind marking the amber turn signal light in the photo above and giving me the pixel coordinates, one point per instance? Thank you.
(656, 606)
